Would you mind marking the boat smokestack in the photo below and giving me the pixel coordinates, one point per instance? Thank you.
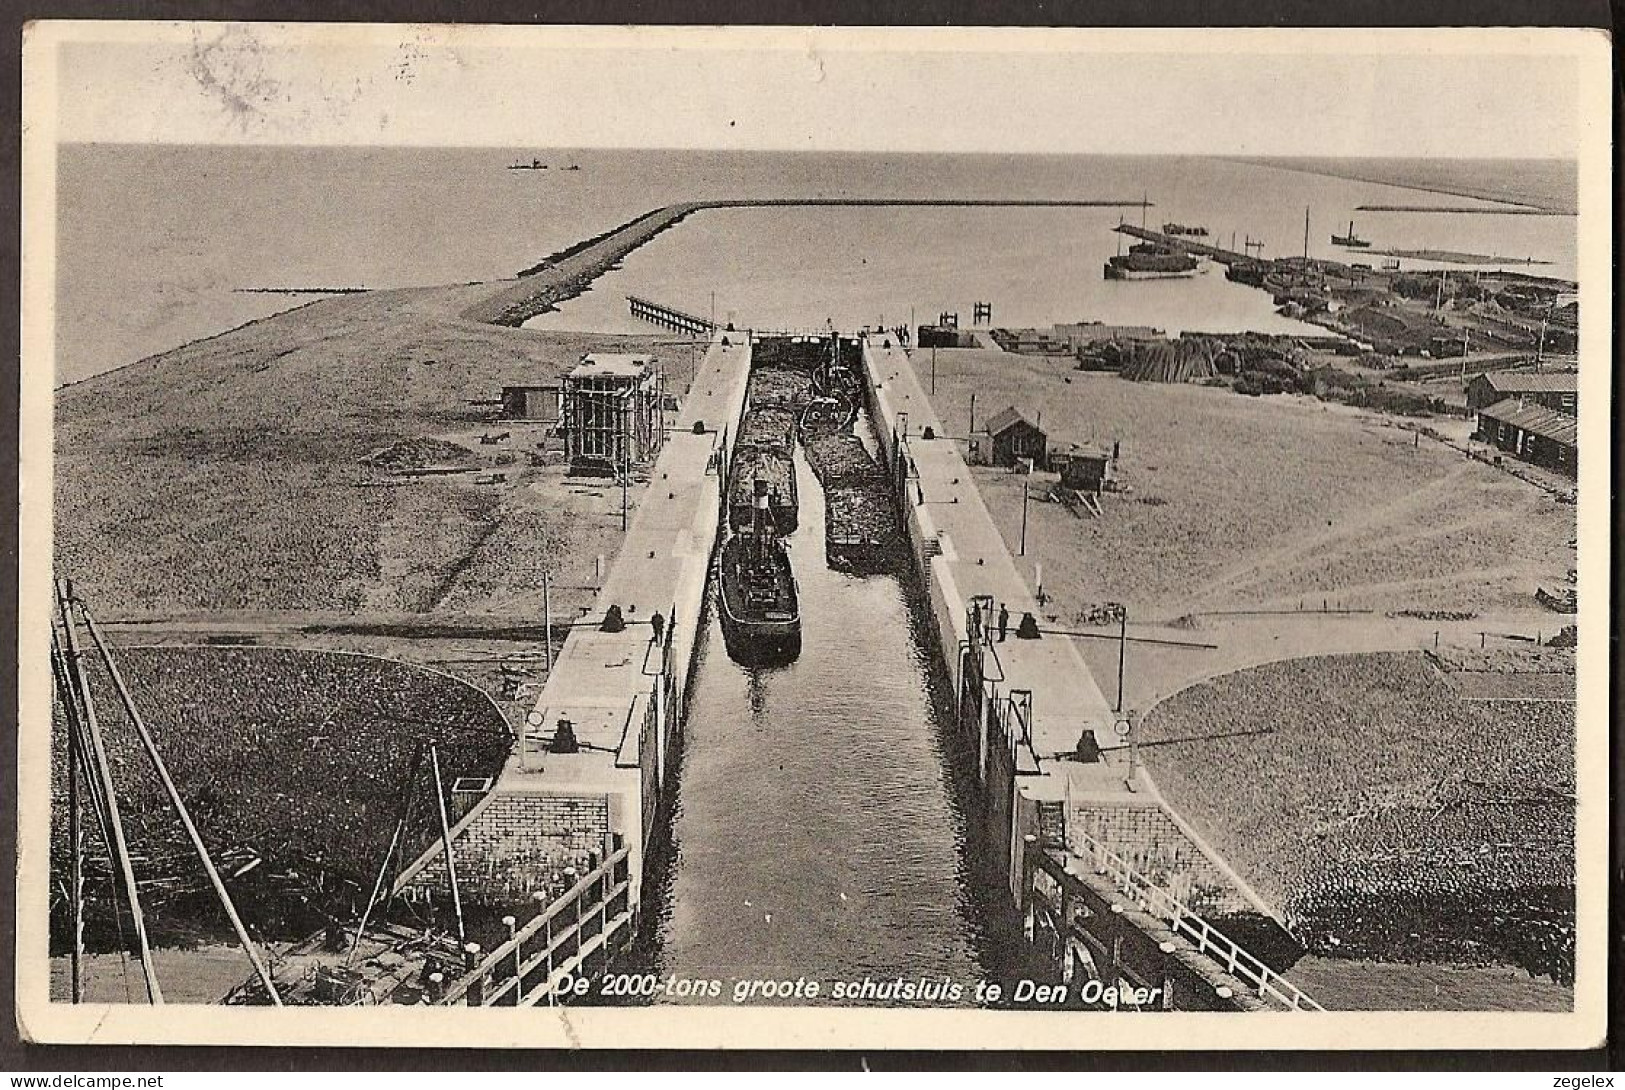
(758, 513)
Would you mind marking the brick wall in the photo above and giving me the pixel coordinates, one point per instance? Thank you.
(518, 843)
(1156, 847)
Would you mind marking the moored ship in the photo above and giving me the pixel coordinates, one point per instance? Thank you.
(1351, 240)
(756, 590)
(1147, 261)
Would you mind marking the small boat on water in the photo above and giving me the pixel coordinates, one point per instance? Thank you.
(835, 377)
(756, 590)
(1351, 240)
(534, 164)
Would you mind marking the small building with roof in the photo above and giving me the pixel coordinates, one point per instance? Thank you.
(1554, 390)
(1532, 433)
(530, 402)
(1011, 436)
(610, 412)
(1084, 468)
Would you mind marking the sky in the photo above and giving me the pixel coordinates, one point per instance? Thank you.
(1357, 93)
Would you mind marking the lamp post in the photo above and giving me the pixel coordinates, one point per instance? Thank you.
(1122, 651)
(626, 473)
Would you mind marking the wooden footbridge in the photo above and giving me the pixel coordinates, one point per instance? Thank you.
(670, 317)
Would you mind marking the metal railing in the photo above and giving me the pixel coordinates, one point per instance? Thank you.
(1188, 924)
(582, 922)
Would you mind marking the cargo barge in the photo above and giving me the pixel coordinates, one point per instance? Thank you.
(1148, 261)
(779, 388)
(770, 428)
(861, 535)
(842, 459)
(777, 471)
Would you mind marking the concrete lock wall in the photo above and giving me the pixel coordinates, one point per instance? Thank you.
(932, 552)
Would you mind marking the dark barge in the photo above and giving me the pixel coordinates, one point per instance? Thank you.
(757, 598)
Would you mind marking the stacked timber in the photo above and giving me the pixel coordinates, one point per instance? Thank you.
(1184, 360)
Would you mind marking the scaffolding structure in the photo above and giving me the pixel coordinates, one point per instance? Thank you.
(611, 415)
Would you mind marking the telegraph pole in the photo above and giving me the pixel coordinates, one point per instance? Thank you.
(1023, 551)
(547, 620)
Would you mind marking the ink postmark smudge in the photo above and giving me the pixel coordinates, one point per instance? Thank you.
(231, 66)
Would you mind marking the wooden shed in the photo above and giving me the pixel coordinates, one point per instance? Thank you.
(1552, 390)
(1532, 433)
(1083, 469)
(530, 402)
(1012, 437)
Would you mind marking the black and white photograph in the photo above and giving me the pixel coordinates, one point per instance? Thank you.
(722, 537)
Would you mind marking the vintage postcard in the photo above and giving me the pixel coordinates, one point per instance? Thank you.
(700, 537)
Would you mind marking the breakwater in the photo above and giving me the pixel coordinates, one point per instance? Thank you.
(569, 272)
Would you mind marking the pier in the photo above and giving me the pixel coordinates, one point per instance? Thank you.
(670, 317)
(1182, 242)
